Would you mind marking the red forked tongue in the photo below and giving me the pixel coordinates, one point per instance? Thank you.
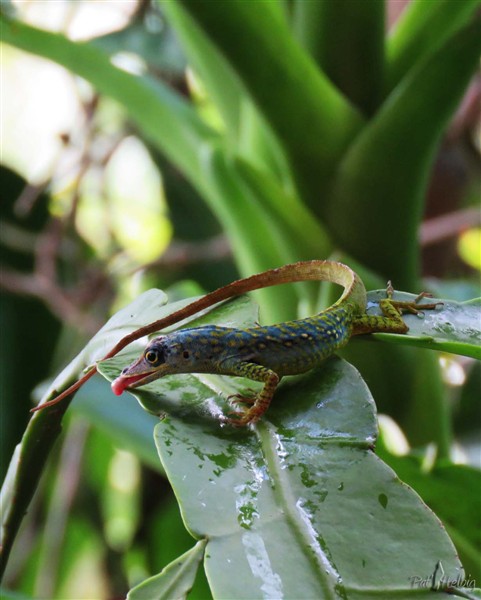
(123, 382)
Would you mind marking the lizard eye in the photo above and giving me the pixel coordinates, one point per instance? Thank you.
(154, 357)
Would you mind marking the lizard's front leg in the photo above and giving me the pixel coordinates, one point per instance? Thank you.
(392, 310)
(258, 404)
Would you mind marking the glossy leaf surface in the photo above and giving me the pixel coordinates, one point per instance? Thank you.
(452, 327)
(175, 581)
(300, 507)
(305, 478)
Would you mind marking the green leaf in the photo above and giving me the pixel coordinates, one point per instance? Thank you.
(175, 581)
(304, 479)
(313, 138)
(381, 180)
(302, 235)
(440, 487)
(249, 229)
(452, 327)
(422, 28)
(219, 79)
(259, 146)
(286, 485)
(347, 40)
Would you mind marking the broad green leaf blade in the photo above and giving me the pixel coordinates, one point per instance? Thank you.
(259, 146)
(300, 506)
(452, 327)
(422, 28)
(440, 488)
(175, 581)
(303, 235)
(313, 138)
(381, 180)
(250, 231)
(257, 495)
(163, 116)
(347, 41)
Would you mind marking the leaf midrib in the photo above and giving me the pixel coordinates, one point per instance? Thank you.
(326, 573)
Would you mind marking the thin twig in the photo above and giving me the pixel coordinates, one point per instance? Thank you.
(448, 225)
(55, 298)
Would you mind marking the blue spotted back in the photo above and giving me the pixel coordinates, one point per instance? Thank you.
(287, 348)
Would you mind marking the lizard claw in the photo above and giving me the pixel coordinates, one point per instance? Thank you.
(411, 307)
(422, 295)
(431, 306)
(240, 399)
(241, 419)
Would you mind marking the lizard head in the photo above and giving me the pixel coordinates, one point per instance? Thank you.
(182, 351)
(152, 364)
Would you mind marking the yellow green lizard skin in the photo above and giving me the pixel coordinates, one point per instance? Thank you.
(267, 353)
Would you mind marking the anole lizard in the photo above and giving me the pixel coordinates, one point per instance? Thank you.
(263, 353)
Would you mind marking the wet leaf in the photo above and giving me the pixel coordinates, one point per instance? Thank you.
(452, 327)
(304, 479)
(175, 581)
(300, 506)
